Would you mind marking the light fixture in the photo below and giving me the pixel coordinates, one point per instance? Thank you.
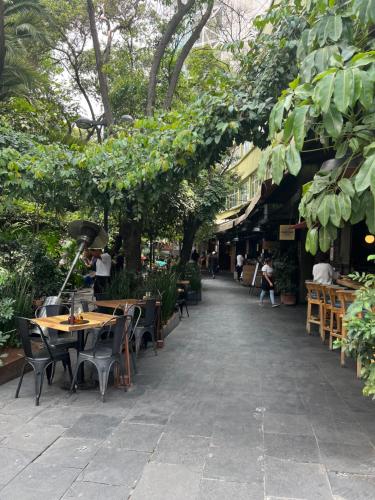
(369, 239)
(236, 239)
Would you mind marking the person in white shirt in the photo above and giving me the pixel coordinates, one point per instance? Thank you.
(268, 283)
(239, 266)
(322, 271)
(103, 265)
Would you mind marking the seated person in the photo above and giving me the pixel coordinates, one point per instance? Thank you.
(322, 271)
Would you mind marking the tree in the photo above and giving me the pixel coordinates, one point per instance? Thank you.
(330, 106)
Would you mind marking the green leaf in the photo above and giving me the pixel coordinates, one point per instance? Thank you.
(299, 130)
(358, 210)
(344, 89)
(366, 96)
(264, 162)
(293, 159)
(357, 84)
(346, 187)
(312, 238)
(334, 28)
(345, 205)
(278, 163)
(324, 91)
(333, 121)
(288, 127)
(362, 59)
(370, 212)
(323, 211)
(335, 212)
(278, 113)
(365, 175)
(324, 239)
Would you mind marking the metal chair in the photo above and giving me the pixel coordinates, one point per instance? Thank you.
(104, 357)
(54, 338)
(39, 360)
(133, 315)
(181, 302)
(146, 325)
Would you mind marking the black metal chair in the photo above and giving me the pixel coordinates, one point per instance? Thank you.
(40, 360)
(104, 357)
(146, 324)
(133, 315)
(182, 299)
(56, 339)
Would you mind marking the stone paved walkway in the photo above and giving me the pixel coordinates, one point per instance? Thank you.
(240, 405)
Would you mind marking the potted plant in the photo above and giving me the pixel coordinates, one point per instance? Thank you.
(285, 268)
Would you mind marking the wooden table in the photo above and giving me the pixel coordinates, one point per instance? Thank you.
(183, 282)
(95, 320)
(116, 303)
(348, 283)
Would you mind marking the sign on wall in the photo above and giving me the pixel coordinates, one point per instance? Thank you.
(287, 232)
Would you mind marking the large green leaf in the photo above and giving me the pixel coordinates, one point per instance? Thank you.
(366, 95)
(288, 127)
(345, 205)
(344, 89)
(312, 240)
(334, 28)
(323, 210)
(346, 186)
(335, 210)
(278, 163)
(299, 129)
(293, 159)
(263, 162)
(358, 209)
(324, 91)
(324, 239)
(362, 59)
(366, 174)
(370, 211)
(333, 121)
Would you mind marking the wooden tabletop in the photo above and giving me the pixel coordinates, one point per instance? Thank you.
(183, 282)
(113, 303)
(348, 283)
(94, 319)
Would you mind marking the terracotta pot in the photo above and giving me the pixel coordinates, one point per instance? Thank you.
(288, 299)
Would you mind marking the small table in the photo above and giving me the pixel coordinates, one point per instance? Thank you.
(94, 320)
(183, 282)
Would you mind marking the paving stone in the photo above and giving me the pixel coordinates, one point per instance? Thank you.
(191, 423)
(95, 491)
(157, 413)
(64, 416)
(287, 479)
(228, 433)
(40, 482)
(289, 447)
(95, 426)
(342, 457)
(115, 467)
(70, 452)
(349, 487)
(174, 448)
(167, 482)
(234, 464)
(33, 437)
(336, 432)
(138, 437)
(12, 462)
(214, 489)
(281, 423)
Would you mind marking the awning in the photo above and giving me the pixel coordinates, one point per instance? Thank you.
(249, 209)
(224, 226)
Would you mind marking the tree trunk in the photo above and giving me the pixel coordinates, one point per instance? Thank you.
(103, 84)
(131, 232)
(182, 10)
(191, 226)
(2, 38)
(184, 53)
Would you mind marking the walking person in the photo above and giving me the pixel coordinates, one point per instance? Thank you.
(268, 283)
(239, 266)
(213, 264)
(102, 269)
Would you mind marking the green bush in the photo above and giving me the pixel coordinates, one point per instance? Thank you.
(161, 283)
(192, 273)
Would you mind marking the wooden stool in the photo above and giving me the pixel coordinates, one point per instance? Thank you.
(314, 298)
(326, 310)
(340, 300)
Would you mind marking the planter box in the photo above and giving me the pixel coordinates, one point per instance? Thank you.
(288, 299)
(171, 324)
(12, 364)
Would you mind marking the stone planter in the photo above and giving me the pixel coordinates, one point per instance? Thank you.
(288, 299)
(171, 324)
(12, 364)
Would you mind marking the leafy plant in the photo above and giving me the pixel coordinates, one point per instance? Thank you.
(122, 285)
(286, 273)
(161, 283)
(192, 273)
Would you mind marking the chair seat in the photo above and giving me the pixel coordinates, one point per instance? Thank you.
(101, 352)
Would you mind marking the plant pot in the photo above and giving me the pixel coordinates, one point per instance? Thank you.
(288, 299)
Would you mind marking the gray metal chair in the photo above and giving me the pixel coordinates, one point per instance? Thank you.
(146, 324)
(42, 360)
(56, 339)
(104, 357)
(133, 315)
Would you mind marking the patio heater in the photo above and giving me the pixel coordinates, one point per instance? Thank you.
(87, 234)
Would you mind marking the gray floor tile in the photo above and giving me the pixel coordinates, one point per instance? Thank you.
(95, 426)
(349, 487)
(70, 452)
(12, 462)
(214, 489)
(40, 482)
(33, 437)
(336, 432)
(288, 479)
(290, 447)
(175, 448)
(138, 437)
(234, 464)
(115, 467)
(341, 457)
(167, 482)
(94, 491)
(281, 423)
(228, 433)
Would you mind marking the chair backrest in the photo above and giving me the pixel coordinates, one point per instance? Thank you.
(347, 297)
(51, 310)
(26, 329)
(150, 310)
(314, 291)
(133, 315)
(118, 335)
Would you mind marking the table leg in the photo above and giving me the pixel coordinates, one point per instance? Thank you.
(80, 347)
(159, 331)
